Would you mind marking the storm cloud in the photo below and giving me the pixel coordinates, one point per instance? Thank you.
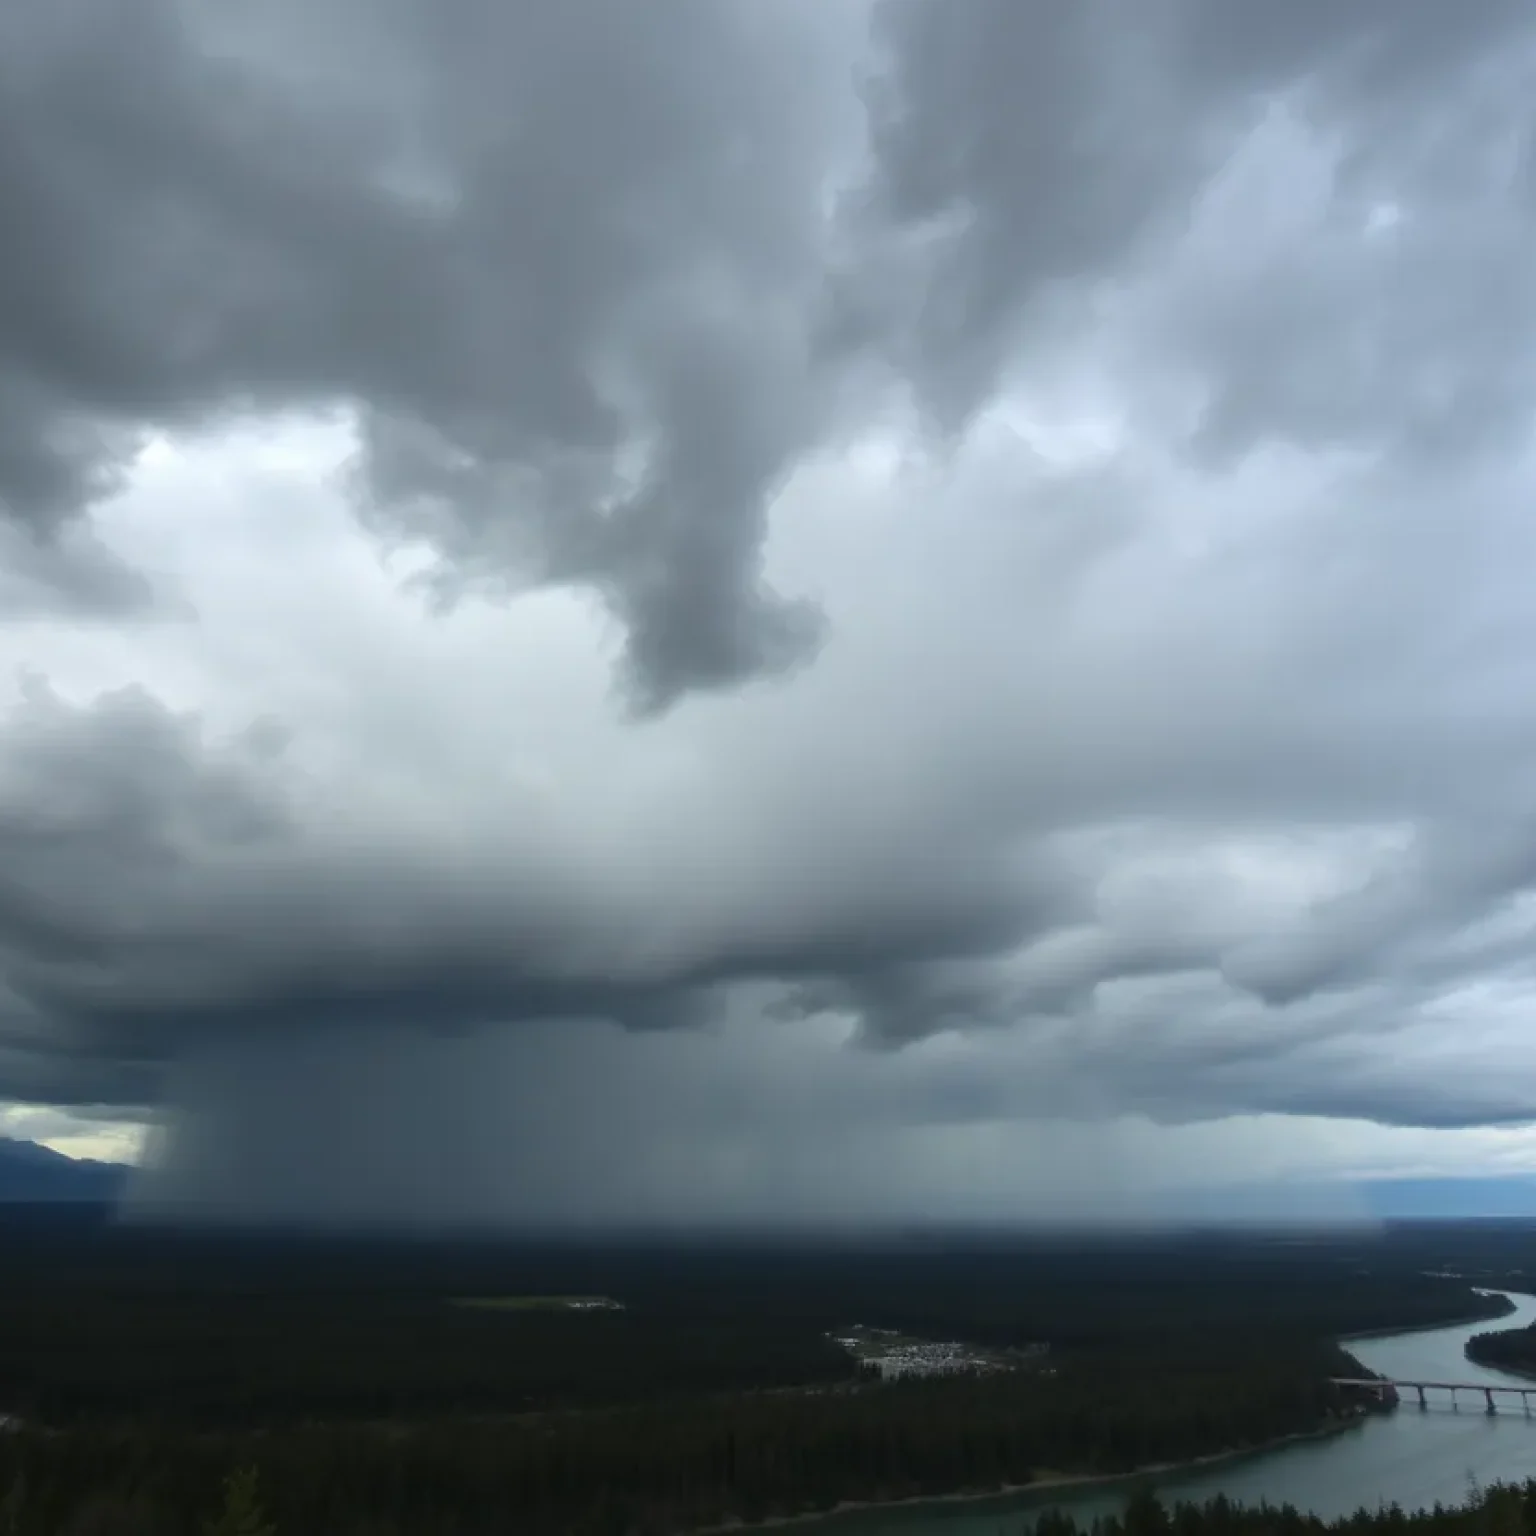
(987, 538)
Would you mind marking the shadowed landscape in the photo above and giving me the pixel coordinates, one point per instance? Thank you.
(141, 1367)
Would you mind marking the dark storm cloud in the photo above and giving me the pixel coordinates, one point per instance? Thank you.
(561, 260)
(569, 267)
(1020, 153)
(1028, 157)
(1359, 52)
(595, 279)
(85, 1084)
(46, 572)
(1453, 875)
(158, 890)
(164, 893)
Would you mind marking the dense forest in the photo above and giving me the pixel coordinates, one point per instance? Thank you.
(1501, 1511)
(426, 1389)
(98, 1324)
(257, 1360)
(129, 1493)
(691, 1462)
(1507, 1349)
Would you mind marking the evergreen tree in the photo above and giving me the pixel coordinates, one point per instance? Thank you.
(241, 1514)
(12, 1506)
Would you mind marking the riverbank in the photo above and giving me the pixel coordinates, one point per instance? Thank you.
(1046, 1485)
(1345, 1340)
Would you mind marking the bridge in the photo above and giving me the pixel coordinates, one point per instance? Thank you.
(1390, 1391)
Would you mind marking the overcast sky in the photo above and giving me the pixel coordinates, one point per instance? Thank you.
(771, 607)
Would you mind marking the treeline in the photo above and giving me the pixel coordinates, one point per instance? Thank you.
(1506, 1510)
(684, 1464)
(1503, 1510)
(1506, 1349)
(243, 1331)
(221, 1362)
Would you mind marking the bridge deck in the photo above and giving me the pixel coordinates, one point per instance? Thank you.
(1445, 1386)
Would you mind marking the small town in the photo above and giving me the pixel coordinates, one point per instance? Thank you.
(894, 1354)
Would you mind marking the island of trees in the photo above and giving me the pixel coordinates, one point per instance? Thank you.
(1505, 1349)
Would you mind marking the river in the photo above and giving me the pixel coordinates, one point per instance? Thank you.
(1413, 1457)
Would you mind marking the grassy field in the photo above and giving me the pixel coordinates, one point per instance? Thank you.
(540, 1303)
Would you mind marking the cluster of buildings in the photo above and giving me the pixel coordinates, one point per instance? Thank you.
(893, 1354)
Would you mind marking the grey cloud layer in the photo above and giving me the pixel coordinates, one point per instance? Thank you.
(157, 888)
(562, 262)
(162, 893)
(596, 281)
(581, 275)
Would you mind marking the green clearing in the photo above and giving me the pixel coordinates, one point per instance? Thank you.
(540, 1303)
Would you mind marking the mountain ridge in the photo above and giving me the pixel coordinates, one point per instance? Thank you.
(30, 1171)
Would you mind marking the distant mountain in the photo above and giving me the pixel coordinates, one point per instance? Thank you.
(31, 1172)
